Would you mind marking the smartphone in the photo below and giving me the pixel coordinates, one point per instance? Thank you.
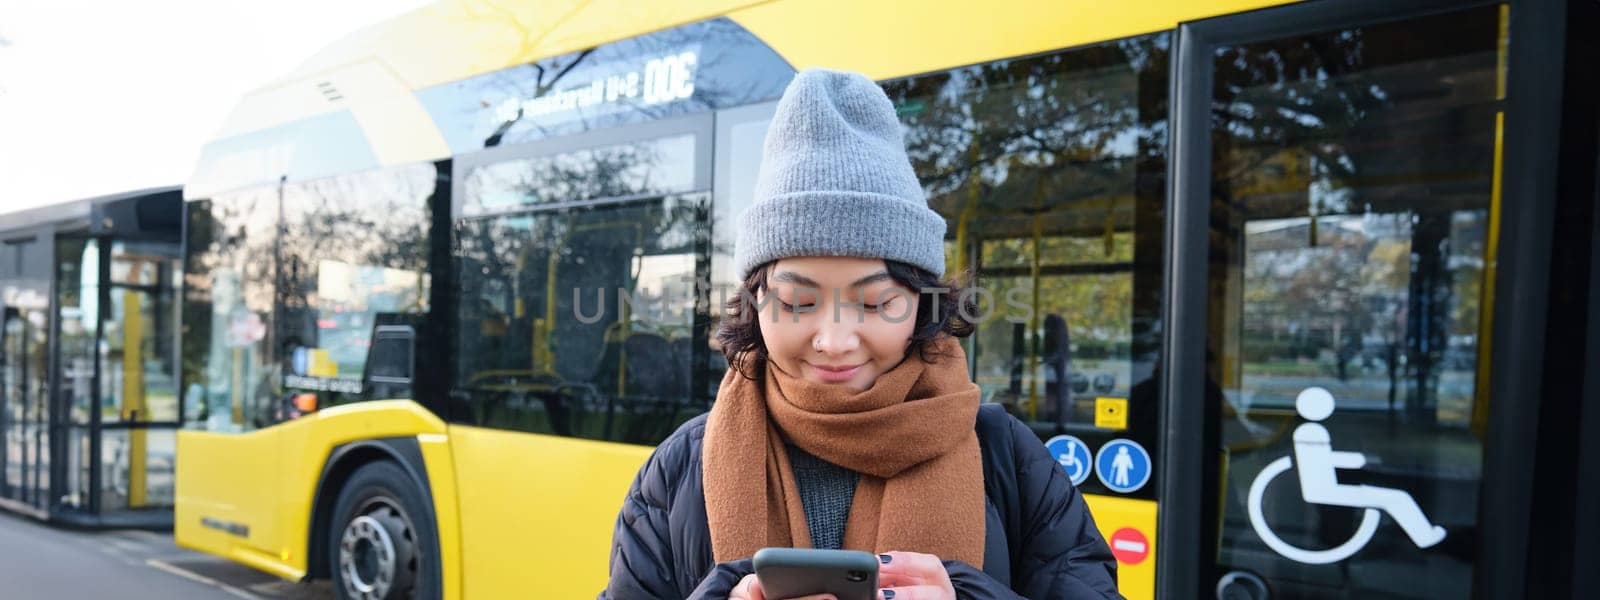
(797, 572)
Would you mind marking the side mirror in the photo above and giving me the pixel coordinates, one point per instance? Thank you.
(390, 362)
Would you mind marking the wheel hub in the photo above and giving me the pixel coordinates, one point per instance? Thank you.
(376, 555)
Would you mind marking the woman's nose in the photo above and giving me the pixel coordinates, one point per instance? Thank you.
(836, 336)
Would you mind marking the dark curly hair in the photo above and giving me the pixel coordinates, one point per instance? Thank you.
(740, 333)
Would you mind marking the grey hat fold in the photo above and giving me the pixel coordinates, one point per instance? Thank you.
(835, 181)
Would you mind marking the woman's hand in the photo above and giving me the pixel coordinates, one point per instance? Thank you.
(749, 588)
(913, 576)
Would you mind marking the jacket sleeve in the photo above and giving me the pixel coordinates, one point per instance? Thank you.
(641, 545)
(1063, 555)
(721, 580)
(973, 584)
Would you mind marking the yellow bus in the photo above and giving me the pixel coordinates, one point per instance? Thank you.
(447, 283)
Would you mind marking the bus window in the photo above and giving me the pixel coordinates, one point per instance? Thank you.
(1049, 171)
(354, 259)
(692, 68)
(741, 132)
(229, 286)
(1353, 174)
(582, 319)
(661, 166)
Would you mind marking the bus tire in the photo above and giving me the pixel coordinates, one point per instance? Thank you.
(376, 548)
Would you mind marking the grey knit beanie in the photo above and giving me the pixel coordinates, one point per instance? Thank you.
(835, 181)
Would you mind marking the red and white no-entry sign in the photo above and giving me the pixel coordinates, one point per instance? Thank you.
(1129, 546)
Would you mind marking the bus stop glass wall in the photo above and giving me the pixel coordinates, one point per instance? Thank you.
(578, 307)
(1050, 171)
(1350, 277)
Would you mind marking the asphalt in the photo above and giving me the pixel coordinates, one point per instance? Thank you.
(42, 561)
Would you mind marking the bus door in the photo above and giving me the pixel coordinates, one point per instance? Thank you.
(1049, 173)
(1336, 220)
(139, 386)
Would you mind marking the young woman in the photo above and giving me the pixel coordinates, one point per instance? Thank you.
(847, 418)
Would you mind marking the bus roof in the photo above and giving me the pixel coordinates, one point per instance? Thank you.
(373, 74)
(73, 214)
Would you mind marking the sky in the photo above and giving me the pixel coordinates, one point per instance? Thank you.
(104, 96)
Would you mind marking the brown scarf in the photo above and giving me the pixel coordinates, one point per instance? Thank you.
(910, 437)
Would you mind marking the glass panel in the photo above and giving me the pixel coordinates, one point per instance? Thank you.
(75, 492)
(78, 299)
(139, 346)
(168, 340)
(38, 409)
(26, 416)
(12, 403)
(1353, 173)
(584, 321)
(113, 469)
(161, 446)
(354, 259)
(133, 267)
(137, 467)
(740, 136)
(654, 167)
(1050, 171)
(229, 293)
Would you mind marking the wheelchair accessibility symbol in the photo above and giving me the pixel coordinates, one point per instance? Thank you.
(1319, 484)
(1073, 455)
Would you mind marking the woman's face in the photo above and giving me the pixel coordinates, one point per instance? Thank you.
(835, 320)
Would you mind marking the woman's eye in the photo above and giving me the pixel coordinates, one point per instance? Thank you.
(881, 306)
(787, 307)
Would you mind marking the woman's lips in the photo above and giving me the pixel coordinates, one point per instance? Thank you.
(835, 373)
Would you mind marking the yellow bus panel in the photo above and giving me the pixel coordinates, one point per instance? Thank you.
(894, 39)
(437, 459)
(537, 511)
(248, 496)
(1112, 514)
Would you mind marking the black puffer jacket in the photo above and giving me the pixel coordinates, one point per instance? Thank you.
(1040, 541)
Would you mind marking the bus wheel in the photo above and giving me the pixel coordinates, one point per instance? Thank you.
(377, 550)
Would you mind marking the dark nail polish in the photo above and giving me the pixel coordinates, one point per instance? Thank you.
(884, 558)
(887, 594)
